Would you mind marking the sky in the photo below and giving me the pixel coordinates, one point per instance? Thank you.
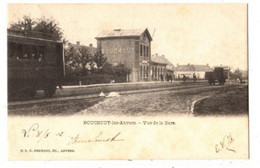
(211, 34)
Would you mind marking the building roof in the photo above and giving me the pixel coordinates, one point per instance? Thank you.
(202, 68)
(92, 50)
(160, 60)
(191, 67)
(117, 33)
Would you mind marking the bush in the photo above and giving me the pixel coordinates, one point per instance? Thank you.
(107, 74)
(87, 80)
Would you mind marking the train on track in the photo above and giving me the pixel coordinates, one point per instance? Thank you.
(219, 75)
(35, 62)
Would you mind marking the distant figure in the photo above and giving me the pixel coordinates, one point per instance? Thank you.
(184, 78)
(40, 57)
(161, 77)
(238, 80)
(33, 56)
(194, 77)
(25, 56)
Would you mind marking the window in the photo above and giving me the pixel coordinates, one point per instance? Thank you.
(147, 70)
(141, 49)
(141, 71)
(144, 72)
(26, 52)
(144, 51)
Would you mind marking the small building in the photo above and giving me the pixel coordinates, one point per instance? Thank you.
(131, 47)
(90, 49)
(189, 70)
(161, 68)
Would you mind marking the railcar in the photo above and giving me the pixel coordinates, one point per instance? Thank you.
(35, 62)
(218, 75)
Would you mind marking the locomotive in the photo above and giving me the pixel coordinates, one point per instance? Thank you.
(219, 75)
(35, 62)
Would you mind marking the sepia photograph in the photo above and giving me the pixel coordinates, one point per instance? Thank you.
(127, 81)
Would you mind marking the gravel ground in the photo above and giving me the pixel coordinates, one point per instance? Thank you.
(158, 103)
(151, 103)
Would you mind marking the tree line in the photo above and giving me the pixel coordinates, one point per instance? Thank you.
(80, 63)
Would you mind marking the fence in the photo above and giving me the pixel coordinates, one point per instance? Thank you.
(93, 79)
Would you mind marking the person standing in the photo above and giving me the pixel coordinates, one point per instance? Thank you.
(194, 77)
(184, 78)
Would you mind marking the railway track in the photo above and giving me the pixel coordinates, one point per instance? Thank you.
(176, 88)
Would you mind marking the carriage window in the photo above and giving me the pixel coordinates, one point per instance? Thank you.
(28, 52)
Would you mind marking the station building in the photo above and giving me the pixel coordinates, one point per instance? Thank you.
(190, 69)
(131, 47)
(161, 68)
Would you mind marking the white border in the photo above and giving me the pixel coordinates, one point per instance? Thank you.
(254, 45)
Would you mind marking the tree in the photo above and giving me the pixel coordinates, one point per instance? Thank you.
(43, 25)
(236, 74)
(78, 61)
(26, 24)
(99, 59)
(121, 70)
(49, 26)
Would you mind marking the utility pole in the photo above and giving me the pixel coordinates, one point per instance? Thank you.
(153, 32)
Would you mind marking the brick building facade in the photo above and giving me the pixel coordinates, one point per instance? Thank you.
(131, 48)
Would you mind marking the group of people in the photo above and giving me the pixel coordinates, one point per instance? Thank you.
(32, 56)
(185, 78)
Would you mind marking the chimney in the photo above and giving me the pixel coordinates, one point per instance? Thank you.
(90, 45)
(156, 54)
(188, 63)
(78, 42)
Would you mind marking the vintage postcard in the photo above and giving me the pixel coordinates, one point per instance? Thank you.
(127, 81)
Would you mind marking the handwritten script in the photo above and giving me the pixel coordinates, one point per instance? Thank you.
(225, 144)
(35, 132)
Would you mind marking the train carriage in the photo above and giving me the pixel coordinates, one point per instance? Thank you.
(35, 62)
(219, 74)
